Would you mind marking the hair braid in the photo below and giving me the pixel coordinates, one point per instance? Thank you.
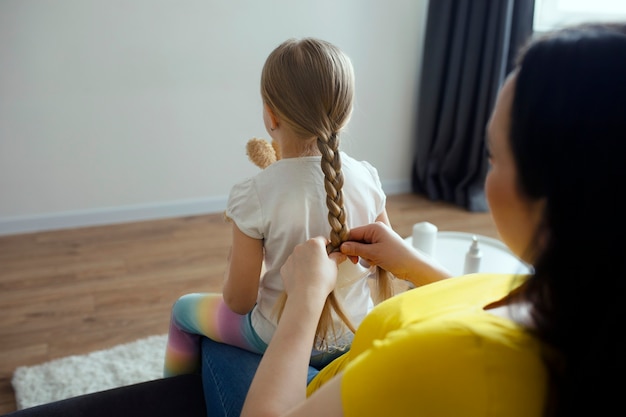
(333, 183)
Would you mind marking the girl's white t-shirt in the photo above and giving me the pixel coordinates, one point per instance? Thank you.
(285, 205)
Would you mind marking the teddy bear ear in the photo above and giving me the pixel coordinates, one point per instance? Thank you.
(261, 152)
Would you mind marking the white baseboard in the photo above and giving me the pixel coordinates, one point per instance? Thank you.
(113, 215)
(110, 215)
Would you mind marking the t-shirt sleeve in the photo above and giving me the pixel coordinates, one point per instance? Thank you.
(417, 373)
(244, 208)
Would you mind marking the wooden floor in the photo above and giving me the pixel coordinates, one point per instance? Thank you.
(75, 291)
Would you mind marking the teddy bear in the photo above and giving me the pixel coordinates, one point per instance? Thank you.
(262, 153)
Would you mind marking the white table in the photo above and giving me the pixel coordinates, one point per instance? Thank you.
(450, 249)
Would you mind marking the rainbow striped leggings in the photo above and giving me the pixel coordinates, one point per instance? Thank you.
(200, 315)
(205, 314)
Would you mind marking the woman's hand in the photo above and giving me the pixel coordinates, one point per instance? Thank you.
(278, 387)
(310, 271)
(380, 245)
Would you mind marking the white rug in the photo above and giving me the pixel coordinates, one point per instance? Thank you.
(62, 378)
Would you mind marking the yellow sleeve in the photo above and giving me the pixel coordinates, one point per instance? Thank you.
(434, 372)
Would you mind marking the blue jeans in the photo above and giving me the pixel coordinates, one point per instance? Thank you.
(227, 373)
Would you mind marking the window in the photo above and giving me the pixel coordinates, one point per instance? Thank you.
(551, 14)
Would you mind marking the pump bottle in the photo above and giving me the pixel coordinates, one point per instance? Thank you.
(473, 257)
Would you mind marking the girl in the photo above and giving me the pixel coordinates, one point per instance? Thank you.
(307, 87)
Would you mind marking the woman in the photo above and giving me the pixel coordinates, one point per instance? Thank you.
(505, 345)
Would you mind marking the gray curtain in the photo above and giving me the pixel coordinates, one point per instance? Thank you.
(470, 46)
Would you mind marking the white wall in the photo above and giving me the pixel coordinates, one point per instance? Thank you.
(123, 110)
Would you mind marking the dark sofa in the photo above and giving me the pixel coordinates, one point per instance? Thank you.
(179, 396)
(168, 397)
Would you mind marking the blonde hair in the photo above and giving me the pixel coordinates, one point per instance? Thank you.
(309, 84)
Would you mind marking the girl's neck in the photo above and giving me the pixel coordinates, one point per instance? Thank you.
(297, 148)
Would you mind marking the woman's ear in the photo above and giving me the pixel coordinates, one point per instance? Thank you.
(272, 119)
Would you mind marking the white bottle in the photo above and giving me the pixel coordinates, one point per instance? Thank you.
(473, 257)
(425, 237)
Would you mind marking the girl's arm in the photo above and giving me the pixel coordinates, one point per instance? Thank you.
(384, 218)
(243, 273)
(279, 385)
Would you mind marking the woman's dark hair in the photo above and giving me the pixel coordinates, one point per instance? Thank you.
(568, 138)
